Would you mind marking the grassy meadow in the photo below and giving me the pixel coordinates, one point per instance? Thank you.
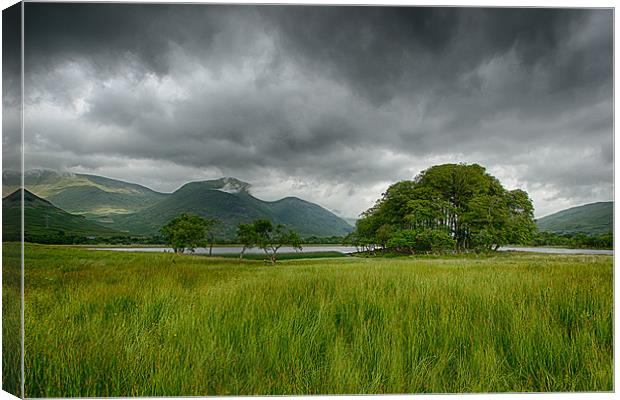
(133, 324)
(11, 318)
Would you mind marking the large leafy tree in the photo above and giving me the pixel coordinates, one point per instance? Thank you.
(187, 232)
(459, 202)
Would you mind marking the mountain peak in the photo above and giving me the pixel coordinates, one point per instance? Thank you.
(29, 197)
(228, 185)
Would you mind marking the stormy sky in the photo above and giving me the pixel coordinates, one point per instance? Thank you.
(330, 104)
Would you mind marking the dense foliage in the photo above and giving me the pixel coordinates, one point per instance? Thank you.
(447, 207)
(186, 232)
(264, 235)
(323, 239)
(603, 241)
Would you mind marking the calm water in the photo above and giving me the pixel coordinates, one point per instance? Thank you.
(556, 250)
(344, 249)
(235, 249)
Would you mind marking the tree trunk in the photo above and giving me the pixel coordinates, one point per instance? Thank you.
(241, 254)
(268, 256)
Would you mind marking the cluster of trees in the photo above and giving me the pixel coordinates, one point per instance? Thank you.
(61, 237)
(454, 207)
(55, 238)
(187, 232)
(129, 240)
(323, 240)
(602, 241)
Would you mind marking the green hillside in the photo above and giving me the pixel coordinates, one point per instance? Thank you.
(229, 201)
(135, 209)
(308, 218)
(88, 195)
(591, 219)
(42, 219)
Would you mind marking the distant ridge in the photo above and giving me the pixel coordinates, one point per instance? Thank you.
(228, 201)
(138, 210)
(83, 194)
(591, 219)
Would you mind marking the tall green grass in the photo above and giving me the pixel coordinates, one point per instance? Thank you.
(11, 318)
(118, 324)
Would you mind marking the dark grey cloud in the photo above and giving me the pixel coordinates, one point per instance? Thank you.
(110, 35)
(11, 54)
(11, 88)
(343, 100)
(384, 51)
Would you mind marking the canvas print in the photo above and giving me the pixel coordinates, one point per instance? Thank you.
(227, 199)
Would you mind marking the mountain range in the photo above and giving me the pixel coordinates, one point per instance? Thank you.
(88, 195)
(591, 219)
(137, 210)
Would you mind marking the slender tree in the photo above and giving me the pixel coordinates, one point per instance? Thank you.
(246, 235)
(186, 232)
(211, 233)
(263, 234)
